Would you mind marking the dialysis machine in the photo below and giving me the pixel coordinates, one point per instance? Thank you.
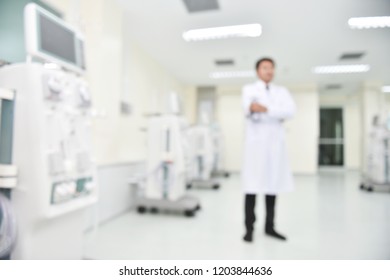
(378, 158)
(51, 146)
(202, 157)
(8, 174)
(164, 186)
(218, 143)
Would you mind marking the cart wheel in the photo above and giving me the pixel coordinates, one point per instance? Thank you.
(370, 188)
(216, 186)
(154, 210)
(197, 208)
(189, 186)
(362, 186)
(189, 213)
(141, 209)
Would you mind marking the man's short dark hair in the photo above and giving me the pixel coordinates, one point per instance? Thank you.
(264, 59)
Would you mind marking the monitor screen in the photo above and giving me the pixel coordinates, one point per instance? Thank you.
(56, 40)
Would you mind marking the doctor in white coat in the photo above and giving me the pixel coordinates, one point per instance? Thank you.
(265, 169)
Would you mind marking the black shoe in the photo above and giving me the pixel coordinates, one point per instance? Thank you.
(248, 237)
(273, 233)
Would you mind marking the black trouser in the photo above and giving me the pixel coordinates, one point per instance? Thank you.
(250, 217)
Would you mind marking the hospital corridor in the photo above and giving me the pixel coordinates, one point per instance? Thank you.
(194, 130)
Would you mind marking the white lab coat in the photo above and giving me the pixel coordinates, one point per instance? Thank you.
(266, 168)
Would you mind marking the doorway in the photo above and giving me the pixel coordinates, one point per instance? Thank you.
(331, 142)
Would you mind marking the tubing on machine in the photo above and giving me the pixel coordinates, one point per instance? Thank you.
(8, 229)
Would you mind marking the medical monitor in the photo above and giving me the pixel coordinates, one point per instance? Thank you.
(51, 39)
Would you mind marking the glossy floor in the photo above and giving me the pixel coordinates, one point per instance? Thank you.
(327, 217)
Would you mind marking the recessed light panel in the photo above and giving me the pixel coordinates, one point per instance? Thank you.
(341, 69)
(223, 32)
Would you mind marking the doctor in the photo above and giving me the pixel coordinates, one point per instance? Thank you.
(265, 170)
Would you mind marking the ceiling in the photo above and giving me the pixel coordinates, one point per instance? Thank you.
(298, 34)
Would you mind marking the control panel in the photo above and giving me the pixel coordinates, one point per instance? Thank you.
(68, 190)
(68, 132)
(52, 144)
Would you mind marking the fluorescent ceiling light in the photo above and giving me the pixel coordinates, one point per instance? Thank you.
(386, 89)
(232, 74)
(247, 30)
(369, 22)
(338, 69)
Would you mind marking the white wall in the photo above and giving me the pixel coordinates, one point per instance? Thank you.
(190, 103)
(302, 131)
(353, 136)
(230, 118)
(146, 81)
(302, 150)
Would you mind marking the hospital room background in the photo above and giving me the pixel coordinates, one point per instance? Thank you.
(143, 75)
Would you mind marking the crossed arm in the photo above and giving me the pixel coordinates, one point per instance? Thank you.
(283, 110)
(257, 108)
